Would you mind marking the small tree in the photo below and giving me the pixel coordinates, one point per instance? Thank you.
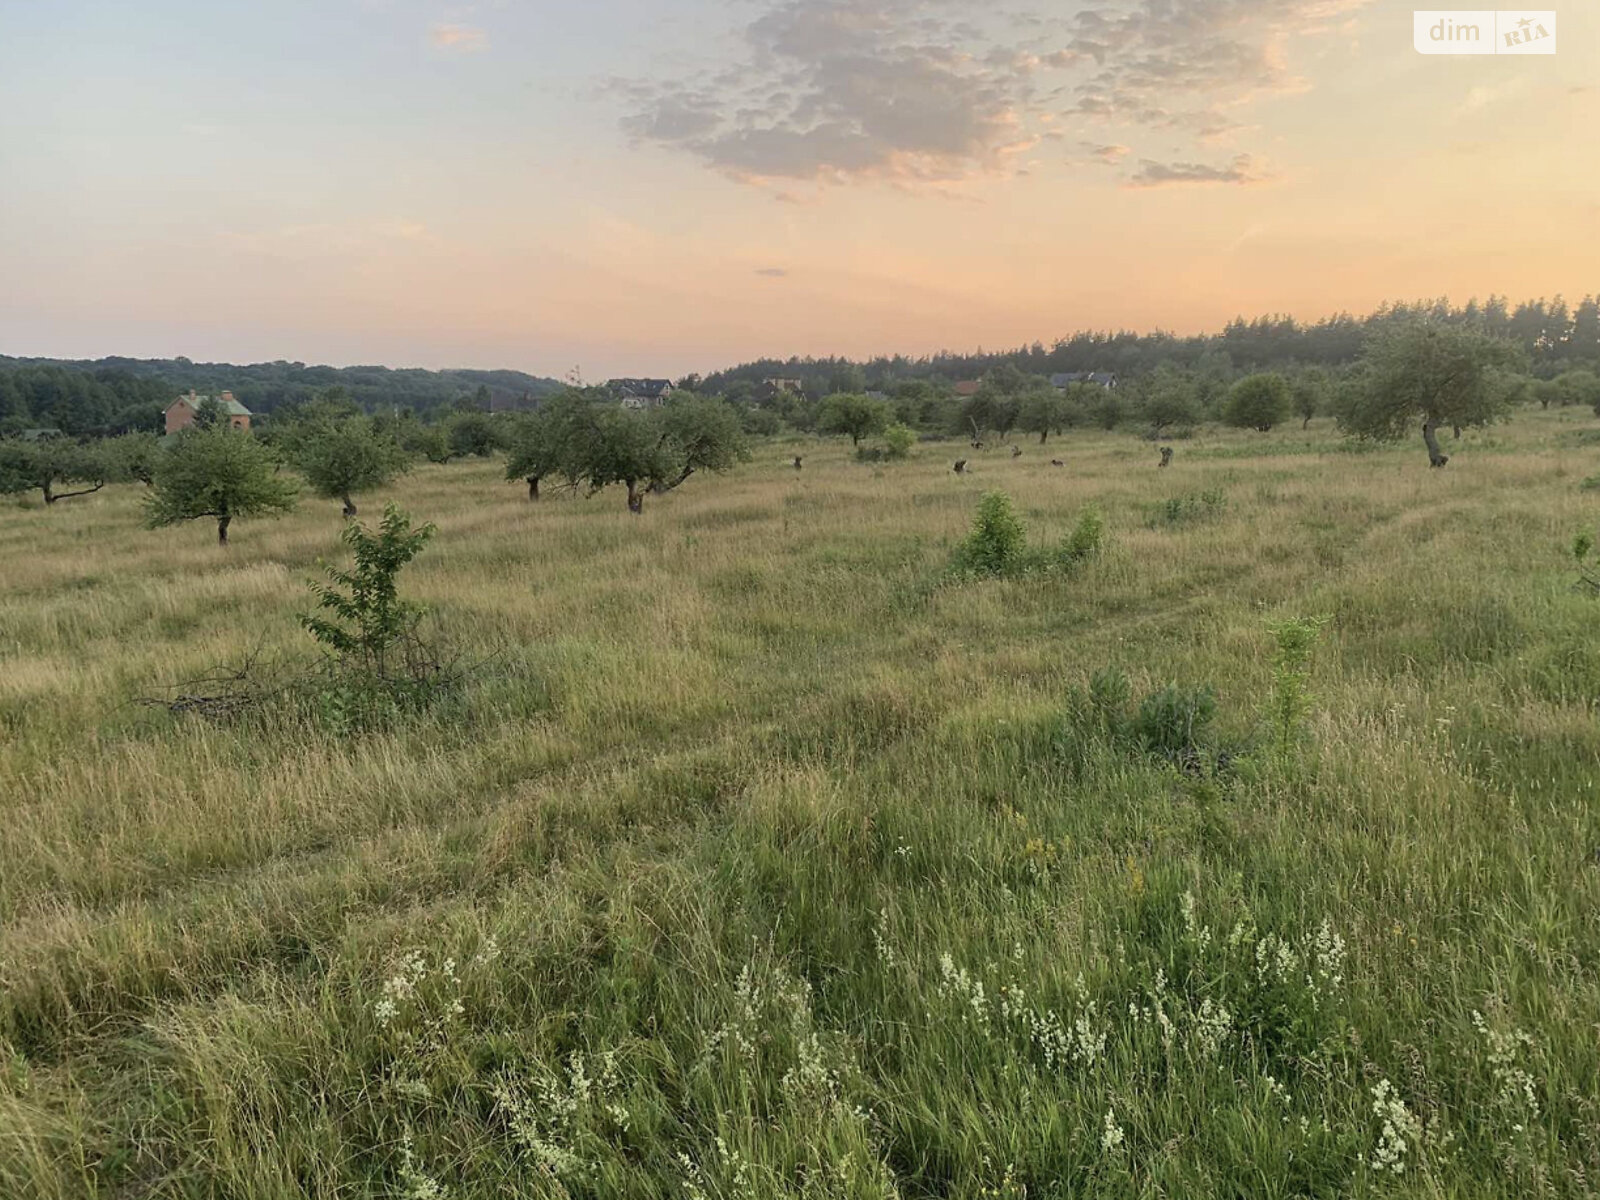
(852, 413)
(620, 445)
(473, 434)
(1257, 402)
(1579, 386)
(1428, 372)
(1169, 399)
(1044, 411)
(699, 434)
(1310, 388)
(132, 457)
(368, 623)
(535, 450)
(41, 465)
(220, 473)
(343, 457)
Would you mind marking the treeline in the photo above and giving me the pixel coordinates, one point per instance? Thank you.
(1554, 337)
(121, 395)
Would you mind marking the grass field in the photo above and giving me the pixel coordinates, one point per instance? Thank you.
(762, 857)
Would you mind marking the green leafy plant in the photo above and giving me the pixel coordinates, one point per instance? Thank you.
(998, 543)
(378, 665)
(1291, 671)
(368, 618)
(1087, 538)
(898, 440)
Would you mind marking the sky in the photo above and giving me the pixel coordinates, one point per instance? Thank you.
(654, 187)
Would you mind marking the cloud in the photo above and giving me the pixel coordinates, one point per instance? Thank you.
(1152, 174)
(1108, 154)
(920, 91)
(773, 272)
(461, 38)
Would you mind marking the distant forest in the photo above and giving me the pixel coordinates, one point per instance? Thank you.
(121, 395)
(117, 395)
(1555, 337)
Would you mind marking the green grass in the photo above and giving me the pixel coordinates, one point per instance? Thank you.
(770, 858)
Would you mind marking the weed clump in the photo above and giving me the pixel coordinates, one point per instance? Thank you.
(1186, 509)
(997, 544)
(1173, 722)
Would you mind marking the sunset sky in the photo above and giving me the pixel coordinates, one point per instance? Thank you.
(654, 187)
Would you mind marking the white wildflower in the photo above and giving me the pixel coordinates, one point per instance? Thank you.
(1111, 1137)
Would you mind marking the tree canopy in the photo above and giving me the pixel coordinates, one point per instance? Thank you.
(1258, 402)
(854, 414)
(220, 473)
(42, 464)
(342, 457)
(1432, 374)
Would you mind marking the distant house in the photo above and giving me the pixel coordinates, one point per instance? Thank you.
(641, 393)
(1105, 379)
(182, 411)
(968, 387)
(793, 386)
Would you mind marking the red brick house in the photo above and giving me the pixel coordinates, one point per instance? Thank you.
(181, 412)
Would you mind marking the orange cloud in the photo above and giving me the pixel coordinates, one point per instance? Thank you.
(458, 37)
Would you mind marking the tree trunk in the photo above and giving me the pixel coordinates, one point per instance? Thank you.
(49, 494)
(1457, 430)
(1306, 424)
(1044, 435)
(533, 487)
(635, 497)
(349, 507)
(222, 530)
(1436, 457)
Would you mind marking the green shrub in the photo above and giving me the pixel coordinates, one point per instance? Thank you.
(1086, 539)
(998, 543)
(1109, 696)
(898, 440)
(1174, 721)
(378, 665)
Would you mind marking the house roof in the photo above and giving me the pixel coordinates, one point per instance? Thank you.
(968, 387)
(229, 405)
(648, 389)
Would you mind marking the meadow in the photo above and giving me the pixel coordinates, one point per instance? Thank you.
(763, 856)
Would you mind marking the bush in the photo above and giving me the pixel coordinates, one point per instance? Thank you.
(378, 666)
(998, 544)
(1258, 402)
(898, 440)
(1086, 538)
(1173, 722)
